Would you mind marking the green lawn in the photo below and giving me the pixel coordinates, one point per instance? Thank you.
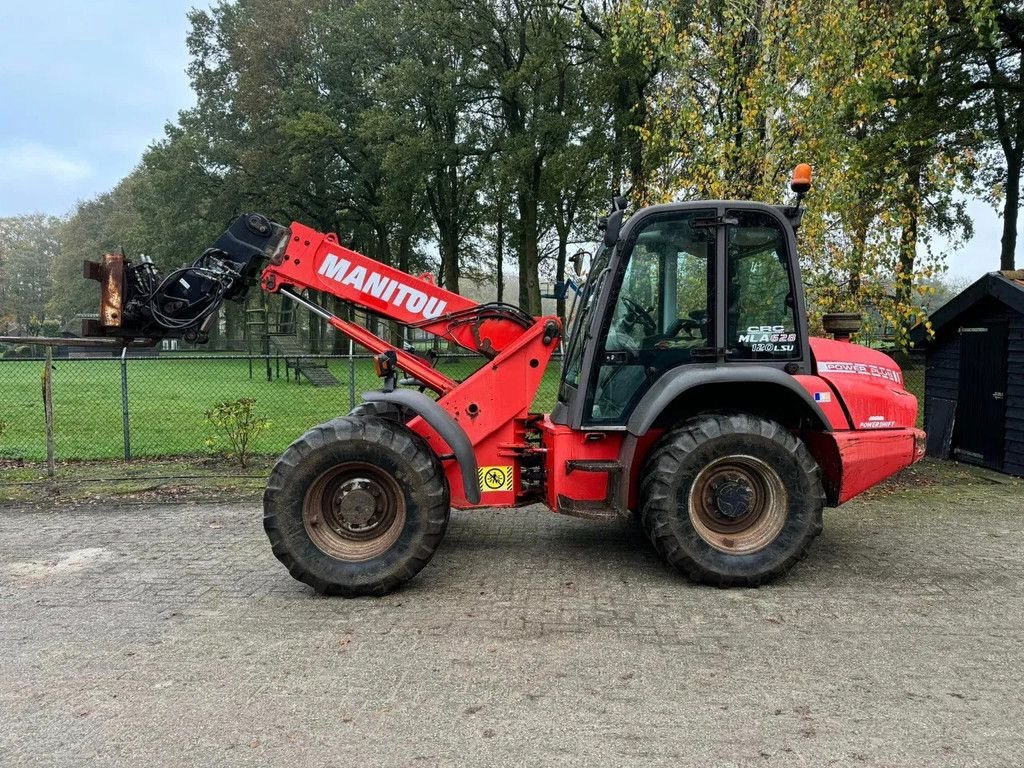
(168, 398)
(167, 401)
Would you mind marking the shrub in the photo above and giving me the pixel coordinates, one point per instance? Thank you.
(238, 423)
(22, 350)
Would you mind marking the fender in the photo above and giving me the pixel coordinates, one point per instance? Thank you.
(675, 382)
(438, 418)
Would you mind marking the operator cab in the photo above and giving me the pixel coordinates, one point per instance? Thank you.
(685, 284)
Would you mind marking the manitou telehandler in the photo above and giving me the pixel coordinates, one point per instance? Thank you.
(691, 396)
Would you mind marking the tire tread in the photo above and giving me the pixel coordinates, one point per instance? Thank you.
(279, 500)
(658, 506)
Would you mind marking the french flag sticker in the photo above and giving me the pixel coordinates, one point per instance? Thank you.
(823, 397)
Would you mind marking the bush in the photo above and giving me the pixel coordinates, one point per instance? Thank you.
(13, 353)
(237, 422)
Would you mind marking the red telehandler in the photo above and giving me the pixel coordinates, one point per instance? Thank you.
(691, 396)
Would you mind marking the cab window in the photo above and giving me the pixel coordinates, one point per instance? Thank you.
(662, 311)
(760, 309)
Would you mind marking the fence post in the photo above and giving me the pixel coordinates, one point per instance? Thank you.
(124, 405)
(48, 409)
(351, 377)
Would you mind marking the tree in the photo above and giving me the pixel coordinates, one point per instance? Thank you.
(631, 43)
(432, 99)
(530, 66)
(573, 189)
(29, 245)
(869, 93)
(999, 73)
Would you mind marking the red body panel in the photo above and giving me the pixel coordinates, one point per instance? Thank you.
(878, 437)
(868, 382)
(827, 399)
(854, 460)
(318, 261)
(564, 444)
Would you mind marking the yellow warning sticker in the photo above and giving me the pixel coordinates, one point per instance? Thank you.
(495, 479)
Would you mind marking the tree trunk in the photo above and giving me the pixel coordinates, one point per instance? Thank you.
(500, 253)
(529, 253)
(404, 258)
(339, 343)
(908, 254)
(628, 145)
(231, 312)
(860, 244)
(214, 330)
(314, 327)
(1007, 257)
(563, 247)
(450, 260)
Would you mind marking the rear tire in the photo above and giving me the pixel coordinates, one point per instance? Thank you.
(356, 506)
(731, 500)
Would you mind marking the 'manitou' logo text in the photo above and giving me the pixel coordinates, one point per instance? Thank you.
(384, 288)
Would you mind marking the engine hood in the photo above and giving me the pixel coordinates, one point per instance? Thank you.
(868, 382)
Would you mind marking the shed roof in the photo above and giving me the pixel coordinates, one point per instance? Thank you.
(1007, 287)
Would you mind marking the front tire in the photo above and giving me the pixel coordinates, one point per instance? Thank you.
(356, 506)
(380, 409)
(731, 500)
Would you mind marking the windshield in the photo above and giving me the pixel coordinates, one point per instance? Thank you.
(579, 317)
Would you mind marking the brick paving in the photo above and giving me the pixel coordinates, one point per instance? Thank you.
(168, 635)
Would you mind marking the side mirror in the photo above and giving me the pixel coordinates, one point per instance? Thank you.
(612, 228)
(577, 262)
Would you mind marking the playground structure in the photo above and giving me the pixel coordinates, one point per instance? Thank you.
(274, 334)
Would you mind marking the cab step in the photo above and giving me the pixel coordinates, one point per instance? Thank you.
(589, 510)
(610, 466)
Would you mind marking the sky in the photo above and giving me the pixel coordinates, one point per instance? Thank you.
(87, 85)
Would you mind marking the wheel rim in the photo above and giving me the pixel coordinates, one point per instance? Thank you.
(738, 504)
(354, 511)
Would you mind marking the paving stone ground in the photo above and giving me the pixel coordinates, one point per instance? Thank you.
(168, 635)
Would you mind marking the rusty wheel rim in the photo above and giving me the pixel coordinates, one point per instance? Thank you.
(354, 511)
(738, 504)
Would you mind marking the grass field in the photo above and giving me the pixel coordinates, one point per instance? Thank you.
(167, 402)
(169, 397)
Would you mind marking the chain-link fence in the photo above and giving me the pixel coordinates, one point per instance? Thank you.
(152, 406)
(913, 366)
(112, 408)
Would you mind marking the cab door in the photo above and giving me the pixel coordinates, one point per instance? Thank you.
(662, 310)
(764, 314)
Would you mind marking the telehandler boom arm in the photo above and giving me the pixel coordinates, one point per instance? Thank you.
(316, 261)
(481, 422)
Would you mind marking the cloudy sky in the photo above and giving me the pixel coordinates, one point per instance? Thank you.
(87, 86)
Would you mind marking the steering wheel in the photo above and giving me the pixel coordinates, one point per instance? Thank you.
(637, 313)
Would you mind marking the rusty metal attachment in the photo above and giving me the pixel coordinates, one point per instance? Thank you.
(110, 274)
(738, 504)
(354, 511)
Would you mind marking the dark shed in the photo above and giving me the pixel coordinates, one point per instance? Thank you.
(974, 381)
